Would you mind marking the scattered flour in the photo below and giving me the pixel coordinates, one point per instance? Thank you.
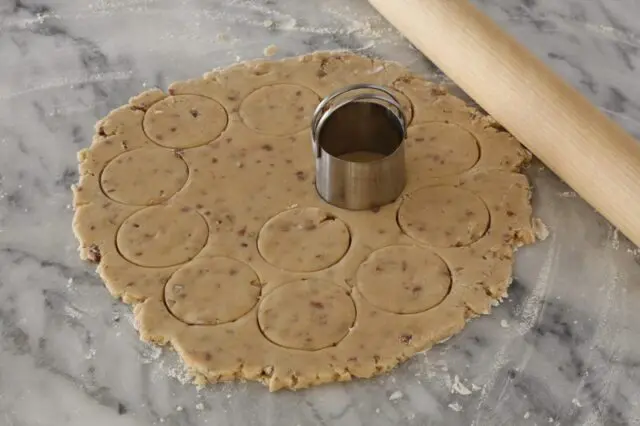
(72, 312)
(199, 406)
(568, 194)
(150, 353)
(395, 396)
(526, 415)
(91, 354)
(504, 324)
(442, 364)
(615, 239)
(459, 387)
(128, 315)
(456, 407)
(527, 315)
(448, 383)
(177, 371)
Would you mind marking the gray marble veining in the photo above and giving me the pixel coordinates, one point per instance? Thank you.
(564, 349)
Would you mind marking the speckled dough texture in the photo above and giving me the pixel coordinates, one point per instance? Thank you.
(199, 207)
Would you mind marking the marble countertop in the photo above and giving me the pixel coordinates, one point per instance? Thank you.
(564, 349)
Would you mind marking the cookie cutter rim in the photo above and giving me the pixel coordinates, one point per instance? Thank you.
(359, 185)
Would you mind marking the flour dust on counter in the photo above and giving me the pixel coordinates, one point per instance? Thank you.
(70, 354)
(200, 210)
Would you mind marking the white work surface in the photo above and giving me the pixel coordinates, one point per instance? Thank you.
(564, 348)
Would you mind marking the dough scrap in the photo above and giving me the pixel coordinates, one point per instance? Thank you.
(199, 207)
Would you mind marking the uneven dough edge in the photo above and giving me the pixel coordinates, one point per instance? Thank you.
(146, 296)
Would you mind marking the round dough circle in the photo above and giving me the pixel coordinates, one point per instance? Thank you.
(212, 291)
(144, 176)
(443, 216)
(161, 236)
(303, 240)
(306, 314)
(250, 159)
(444, 149)
(403, 279)
(279, 109)
(185, 121)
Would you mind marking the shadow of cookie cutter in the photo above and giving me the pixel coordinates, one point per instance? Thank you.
(358, 135)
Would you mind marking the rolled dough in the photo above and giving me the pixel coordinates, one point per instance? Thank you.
(200, 209)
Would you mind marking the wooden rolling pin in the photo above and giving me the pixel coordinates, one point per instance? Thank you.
(595, 156)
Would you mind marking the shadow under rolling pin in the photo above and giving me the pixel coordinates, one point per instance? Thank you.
(590, 152)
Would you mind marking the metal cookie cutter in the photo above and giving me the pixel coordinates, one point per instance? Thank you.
(358, 137)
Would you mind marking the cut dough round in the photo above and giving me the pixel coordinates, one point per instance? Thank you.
(443, 216)
(306, 314)
(279, 109)
(212, 291)
(160, 236)
(185, 121)
(445, 149)
(314, 293)
(404, 279)
(303, 240)
(144, 176)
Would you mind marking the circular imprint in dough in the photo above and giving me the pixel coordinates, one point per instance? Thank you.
(303, 240)
(403, 279)
(443, 216)
(306, 314)
(184, 121)
(212, 291)
(144, 176)
(160, 236)
(279, 109)
(443, 149)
